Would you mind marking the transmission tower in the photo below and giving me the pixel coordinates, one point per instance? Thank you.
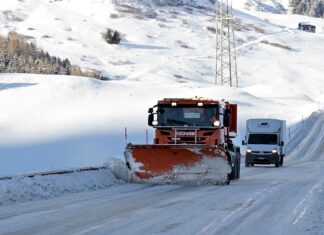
(226, 70)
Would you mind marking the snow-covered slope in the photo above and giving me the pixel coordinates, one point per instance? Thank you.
(273, 6)
(51, 122)
(174, 31)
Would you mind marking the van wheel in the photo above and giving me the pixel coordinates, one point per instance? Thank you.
(281, 160)
(247, 164)
(277, 162)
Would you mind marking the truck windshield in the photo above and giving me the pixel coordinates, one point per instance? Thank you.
(187, 116)
(263, 139)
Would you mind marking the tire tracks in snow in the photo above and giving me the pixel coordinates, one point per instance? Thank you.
(271, 205)
(257, 206)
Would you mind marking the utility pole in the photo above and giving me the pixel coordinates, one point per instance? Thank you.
(226, 70)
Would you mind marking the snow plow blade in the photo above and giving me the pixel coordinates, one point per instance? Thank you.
(193, 164)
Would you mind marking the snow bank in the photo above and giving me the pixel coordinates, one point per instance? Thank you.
(21, 189)
(310, 134)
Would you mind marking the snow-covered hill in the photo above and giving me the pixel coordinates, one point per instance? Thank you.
(51, 122)
(272, 6)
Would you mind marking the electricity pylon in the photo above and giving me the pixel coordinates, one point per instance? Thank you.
(226, 70)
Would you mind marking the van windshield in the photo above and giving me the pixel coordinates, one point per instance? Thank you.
(263, 139)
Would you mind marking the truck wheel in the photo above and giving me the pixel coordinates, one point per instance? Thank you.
(233, 172)
(228, 180)
(238, 168)
(237, 162)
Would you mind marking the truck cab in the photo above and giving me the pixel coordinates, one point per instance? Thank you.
(265, 142)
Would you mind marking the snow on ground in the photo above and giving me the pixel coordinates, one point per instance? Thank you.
(265, 200)
(54, 122)
(58, 122)
(21, 189)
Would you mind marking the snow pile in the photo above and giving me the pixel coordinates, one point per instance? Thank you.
(21, 189)
(119, 169)
(217, 172)
(311, 135)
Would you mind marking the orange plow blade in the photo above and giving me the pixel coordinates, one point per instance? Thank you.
(194, 164)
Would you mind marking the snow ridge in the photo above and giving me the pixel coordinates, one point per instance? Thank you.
(21, 188)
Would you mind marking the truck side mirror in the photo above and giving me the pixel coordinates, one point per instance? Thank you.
(243, 142)
(227, 118)
(150, 119)
(150, 110)
(282, 144)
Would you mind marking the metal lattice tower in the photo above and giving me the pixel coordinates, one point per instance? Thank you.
(226, 70)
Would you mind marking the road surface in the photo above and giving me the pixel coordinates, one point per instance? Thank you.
(265, 200)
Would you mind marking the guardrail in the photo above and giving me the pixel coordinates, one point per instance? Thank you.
(55, 172)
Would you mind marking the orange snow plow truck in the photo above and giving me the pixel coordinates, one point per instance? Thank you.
(192, 144)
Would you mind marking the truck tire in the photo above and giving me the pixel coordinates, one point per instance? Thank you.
(231, 175)
(237, 169)
(233, 172)
(228, 180)
(238, 163)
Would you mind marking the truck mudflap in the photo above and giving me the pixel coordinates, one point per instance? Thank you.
(193, 164)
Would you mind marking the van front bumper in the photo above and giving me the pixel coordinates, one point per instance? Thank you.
(262, 158)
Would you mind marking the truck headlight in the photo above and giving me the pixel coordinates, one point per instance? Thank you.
(248, 150)
(155, 123)
(274, 151)
(217, 123)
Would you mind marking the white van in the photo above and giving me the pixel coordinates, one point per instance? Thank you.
(265, 142)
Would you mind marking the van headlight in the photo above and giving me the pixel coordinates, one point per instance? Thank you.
(248, 150)
(274, 151)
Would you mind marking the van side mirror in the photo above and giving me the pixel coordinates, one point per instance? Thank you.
(282, 144)
(243, 142)
(150, 119)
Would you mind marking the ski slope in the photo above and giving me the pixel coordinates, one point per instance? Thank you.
(266, 200)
